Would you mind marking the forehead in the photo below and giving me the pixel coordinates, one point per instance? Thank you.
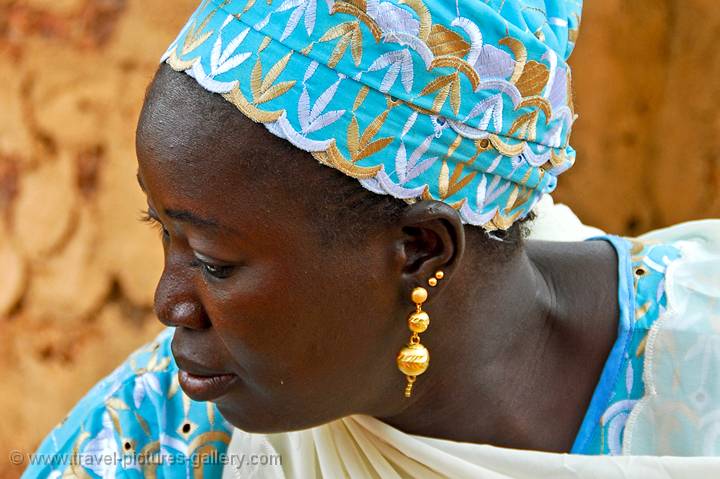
(184, 127)
(196, 148)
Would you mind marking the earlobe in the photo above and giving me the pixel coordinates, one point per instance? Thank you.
(434, 240)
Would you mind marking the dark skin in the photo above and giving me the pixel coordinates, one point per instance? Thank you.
(311, 329)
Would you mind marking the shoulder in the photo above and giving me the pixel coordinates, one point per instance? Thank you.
(134, 420)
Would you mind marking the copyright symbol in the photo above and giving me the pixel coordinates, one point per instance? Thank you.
(16, 457)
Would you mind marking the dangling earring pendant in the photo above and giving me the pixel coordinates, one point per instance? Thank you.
(414, 358)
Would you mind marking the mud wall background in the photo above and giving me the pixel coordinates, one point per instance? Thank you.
(77, 270)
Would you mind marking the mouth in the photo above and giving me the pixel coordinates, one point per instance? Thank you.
(200, 382)
(205, 387)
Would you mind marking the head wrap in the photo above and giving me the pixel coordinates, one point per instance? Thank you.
(466, 102)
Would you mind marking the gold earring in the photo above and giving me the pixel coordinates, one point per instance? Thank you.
(434, 280)
(414, 358)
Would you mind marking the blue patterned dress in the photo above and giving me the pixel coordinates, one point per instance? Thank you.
(641, 297)
(138, 423)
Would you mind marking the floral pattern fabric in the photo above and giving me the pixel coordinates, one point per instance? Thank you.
(469, 103)
(642, 299)
(137, 423)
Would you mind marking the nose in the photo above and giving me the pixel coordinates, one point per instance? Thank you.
(176, 301)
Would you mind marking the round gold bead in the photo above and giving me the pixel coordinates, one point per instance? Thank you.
(419, 295)
(418, 322)
(413, 359)
(440, 275)
(432, 282)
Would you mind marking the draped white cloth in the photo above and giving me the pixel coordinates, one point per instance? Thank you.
(679, 416)
(360, 447)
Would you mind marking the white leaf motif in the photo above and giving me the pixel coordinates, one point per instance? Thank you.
(310, 70)
(324, 120)
(222, 62)
(310, 17)
(421, 168)
(306, 7)
(232, 63)
(419, 151)
(491, 109)
(409, 123)
(322, 102)
(232, 46)
(293, 22)
(400, 62)
(401, 162)
(314, 119)
(414, 168)
(304, 109)
(480, 193)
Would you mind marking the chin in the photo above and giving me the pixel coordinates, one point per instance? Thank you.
(260, 418)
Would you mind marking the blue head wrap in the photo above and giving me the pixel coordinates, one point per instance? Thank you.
(466, 102)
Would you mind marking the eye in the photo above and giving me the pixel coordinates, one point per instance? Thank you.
(216, 271)
(154, 222)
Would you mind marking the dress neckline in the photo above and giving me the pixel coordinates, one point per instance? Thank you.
(614, 365)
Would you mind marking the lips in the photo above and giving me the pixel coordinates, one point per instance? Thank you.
(200, 382)
(204, 387)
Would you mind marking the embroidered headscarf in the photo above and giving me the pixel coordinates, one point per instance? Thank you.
(466, 102)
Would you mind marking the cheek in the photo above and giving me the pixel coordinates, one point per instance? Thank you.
(301, 321)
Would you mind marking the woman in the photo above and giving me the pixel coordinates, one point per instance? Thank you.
(290, 288)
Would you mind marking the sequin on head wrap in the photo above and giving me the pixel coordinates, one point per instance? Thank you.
(465, 102)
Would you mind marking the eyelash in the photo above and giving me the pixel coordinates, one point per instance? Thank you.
(145, 217)
(215, 271)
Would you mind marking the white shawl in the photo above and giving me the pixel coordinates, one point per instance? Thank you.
(360, 447)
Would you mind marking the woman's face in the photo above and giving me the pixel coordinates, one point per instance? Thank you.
(308, 328)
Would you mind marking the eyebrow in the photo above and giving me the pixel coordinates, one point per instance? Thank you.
(189, 217)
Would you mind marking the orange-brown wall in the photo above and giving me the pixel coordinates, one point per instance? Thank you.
(647, 83)
(77, 270)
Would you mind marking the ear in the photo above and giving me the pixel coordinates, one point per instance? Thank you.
(433, 239)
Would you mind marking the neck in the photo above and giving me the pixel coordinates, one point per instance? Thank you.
(517, 363)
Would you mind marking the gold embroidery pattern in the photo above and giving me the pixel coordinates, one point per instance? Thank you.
(136, 419)
(432, 74)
